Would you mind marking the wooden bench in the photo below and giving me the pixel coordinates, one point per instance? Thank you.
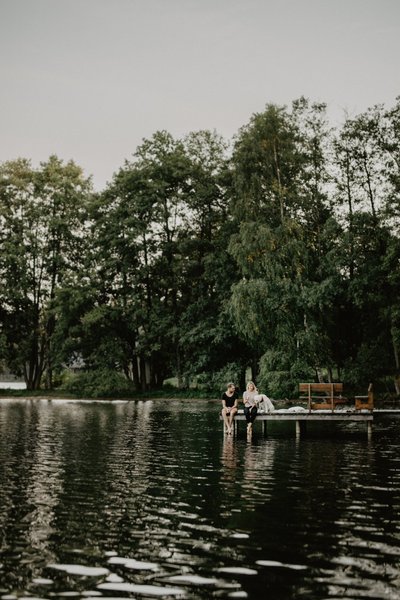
(365, 402)
(322, 396)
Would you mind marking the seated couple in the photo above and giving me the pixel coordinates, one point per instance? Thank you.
(251, 399)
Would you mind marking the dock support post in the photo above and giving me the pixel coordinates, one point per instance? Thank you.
(300, 428)
(264, 427)
(369, 429)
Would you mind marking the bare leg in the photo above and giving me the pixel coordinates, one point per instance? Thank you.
(231, 417)
(226, 416)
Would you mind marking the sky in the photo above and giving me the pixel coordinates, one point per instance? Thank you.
(88, 80)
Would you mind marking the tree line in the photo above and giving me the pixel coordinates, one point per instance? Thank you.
(278, 251)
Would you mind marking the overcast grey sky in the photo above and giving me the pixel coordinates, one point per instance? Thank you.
(89, 79)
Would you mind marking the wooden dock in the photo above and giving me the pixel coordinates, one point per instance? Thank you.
(302, 417)
(324, 402)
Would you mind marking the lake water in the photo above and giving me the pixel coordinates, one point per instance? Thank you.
(149, 499)
(12, 385)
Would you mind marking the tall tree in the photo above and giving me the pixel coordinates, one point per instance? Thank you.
(366, 152)
(42, 218)
(160, 236)
(280, 172)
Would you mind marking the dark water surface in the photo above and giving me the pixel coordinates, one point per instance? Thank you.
(149, 499)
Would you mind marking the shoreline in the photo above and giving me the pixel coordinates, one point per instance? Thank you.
(116, 399)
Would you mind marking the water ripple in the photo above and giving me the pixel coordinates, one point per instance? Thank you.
(147, 590)
(141, 498)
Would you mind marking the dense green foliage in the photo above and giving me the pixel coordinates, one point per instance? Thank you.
(200, 260)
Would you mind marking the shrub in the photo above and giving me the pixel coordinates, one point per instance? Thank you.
(216, 381)
(280, 379)
(99, 383)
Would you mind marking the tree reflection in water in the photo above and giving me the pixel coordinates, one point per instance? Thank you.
(148, 498)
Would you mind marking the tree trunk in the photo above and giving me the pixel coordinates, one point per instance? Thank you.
(254, 368)
(48, 353)
(33, 369)
(142, 366)
(397, 363)
(242, 380)
(178, 367)
(350, 206)
(369, 185)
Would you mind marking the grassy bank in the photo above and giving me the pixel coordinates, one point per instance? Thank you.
(167, 393)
